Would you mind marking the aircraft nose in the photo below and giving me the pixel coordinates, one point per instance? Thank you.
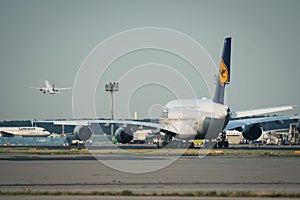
(228, 110)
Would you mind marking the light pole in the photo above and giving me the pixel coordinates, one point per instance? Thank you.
(112, 87)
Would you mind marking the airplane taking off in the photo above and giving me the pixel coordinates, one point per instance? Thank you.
(50, 89)
(23, 131)
(186, 119)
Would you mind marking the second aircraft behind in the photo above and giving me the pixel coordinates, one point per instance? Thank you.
(50, 89)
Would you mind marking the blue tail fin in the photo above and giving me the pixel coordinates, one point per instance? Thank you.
(224, 72)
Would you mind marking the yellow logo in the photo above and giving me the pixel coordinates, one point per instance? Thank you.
(224, 75)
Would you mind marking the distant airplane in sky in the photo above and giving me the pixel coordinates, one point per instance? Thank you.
(50, 89)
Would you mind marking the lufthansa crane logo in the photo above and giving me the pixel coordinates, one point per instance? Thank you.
(224, 75)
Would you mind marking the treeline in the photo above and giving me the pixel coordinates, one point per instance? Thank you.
(15, 123)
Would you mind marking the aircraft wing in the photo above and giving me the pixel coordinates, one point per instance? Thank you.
(161, 127)
(245, 113)
(38, 88)
(60, 89)
(235, 124)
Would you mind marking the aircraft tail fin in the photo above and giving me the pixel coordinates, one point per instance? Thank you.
(224, 72)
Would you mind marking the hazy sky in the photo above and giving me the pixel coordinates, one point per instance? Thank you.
(50, 39)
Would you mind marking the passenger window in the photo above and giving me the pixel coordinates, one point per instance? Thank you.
(165, 113)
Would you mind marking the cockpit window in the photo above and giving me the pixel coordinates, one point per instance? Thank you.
(165, 113)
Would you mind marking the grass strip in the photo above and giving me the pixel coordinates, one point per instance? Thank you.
(183, 152)
(30, 192)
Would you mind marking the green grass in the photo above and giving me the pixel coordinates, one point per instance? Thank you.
(42, 151)
(131, 193)
(188, 152)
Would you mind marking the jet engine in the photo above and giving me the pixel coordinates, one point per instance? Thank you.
(124, 135)
(82, 132)
(252, 132)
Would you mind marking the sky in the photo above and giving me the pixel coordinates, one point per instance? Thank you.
(55, 40)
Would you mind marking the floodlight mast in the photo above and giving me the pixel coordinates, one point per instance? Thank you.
(112, 87)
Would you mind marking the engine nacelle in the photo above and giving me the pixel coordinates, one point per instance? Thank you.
(82, 132)
(252, 132)
(124, 135)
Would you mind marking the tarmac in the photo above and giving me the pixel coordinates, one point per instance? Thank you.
(258, 174)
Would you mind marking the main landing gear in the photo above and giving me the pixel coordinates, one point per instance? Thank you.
(222, 142)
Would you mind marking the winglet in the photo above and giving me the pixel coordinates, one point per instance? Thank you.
(224, 72)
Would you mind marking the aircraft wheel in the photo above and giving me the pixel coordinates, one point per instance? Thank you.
(220, 144)
(226, 144)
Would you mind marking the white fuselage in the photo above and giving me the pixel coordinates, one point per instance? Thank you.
(192, 118)
(24, 131)
(48, 88)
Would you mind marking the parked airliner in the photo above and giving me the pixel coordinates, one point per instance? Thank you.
(24, 131)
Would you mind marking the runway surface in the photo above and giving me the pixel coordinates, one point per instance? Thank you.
(125, 198)
(187, 174)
